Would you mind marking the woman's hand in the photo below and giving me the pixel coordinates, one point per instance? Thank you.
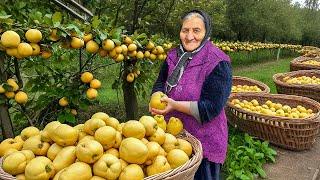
(170, 106)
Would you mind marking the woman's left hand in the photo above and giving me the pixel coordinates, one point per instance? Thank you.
(170, 104)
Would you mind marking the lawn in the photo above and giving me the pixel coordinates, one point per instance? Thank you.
(264, 71)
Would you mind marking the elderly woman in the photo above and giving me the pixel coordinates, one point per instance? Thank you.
(197, 78)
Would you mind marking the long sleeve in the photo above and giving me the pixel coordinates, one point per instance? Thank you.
(162, 78)
(214, 93)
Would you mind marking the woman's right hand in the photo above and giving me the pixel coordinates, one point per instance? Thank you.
(170, 103)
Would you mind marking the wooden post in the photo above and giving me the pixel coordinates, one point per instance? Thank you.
(278, 54)
(6, 124)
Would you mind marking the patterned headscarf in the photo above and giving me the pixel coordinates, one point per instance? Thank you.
(185, 56)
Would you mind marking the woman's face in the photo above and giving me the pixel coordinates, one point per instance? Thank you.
(192, 32)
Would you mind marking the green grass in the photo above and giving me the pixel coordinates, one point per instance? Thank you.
(243, 58)
(264, 71)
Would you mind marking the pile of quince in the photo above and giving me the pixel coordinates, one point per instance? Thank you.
(302, 80)
(245, 88)
(311, 62)
(101, 148)
(273, 109)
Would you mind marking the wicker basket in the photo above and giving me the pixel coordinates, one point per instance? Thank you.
(311, 91)
(239, 80)
(185, 172)
(296, 64)
(293, 134)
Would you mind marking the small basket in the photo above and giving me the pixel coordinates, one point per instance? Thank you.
(297, 64)
(311, 91)
(239, 80)
(294, 134)
(185, 172)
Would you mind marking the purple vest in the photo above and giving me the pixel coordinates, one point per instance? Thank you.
(214, 134)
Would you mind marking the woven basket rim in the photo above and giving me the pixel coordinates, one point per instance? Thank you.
(193, 163)
(297, 62)
(310, 119)
(276, 79)
(259, 83)
(303, 58)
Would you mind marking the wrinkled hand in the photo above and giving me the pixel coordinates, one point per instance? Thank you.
(170, 102)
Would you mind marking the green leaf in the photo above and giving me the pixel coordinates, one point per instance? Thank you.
(244, 177)
(66, 116)
(238, 173)
(5, 16)
(259, 155)
(116, 34)
(116, 41)
(239, 152)
(137, 43)
(261, 172)
(21, 4)
(144, 42)
(265, 144)
(73, 27)
(272, 159)
(56, 19)
(142, 36)
(83, 106)
(47, 19)
(70, 118)
(273, 152)
(102, 35)
(95, 22)
(7, 87)
(250, 150)
(61, 118)
(248, 138)
(37, 16)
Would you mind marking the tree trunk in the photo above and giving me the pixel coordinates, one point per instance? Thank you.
(134, 16)
(6, 124)
(129, 95)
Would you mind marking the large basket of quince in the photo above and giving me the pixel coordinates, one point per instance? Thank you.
(245, 84)
(289, 121)
(102, 148)
(305, 63)
(302, 83)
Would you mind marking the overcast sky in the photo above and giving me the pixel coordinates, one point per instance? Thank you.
(299, 1)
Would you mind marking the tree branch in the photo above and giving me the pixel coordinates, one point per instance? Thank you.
(102, 66)
(17, 73)
(117, 14)
(87, 61)
(24, 112)
(135, 16)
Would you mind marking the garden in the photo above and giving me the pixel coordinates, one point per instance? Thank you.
(76, 80)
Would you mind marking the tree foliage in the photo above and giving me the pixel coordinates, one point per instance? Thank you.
(279, 21)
